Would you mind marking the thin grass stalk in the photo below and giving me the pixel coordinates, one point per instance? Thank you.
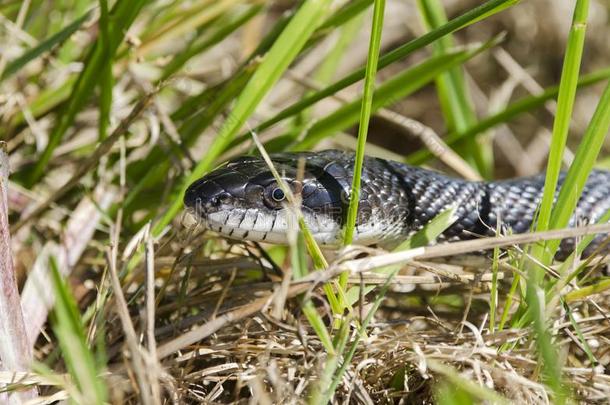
(535, 297)
(131, 337)
(107, 81)
(584, 292)
(551, 366)
(461, 247)
(493, 298)
(584, 160)
(312, 246)
(365, 115)
(299, 268)
(509, 302)
(561, 124)
(314, 250)
(45, 46)
(327, 377)
(581, 338)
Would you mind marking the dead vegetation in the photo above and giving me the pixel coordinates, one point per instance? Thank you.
(171, 313)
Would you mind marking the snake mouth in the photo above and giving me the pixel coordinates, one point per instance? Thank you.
(244, 223)
(206, 196)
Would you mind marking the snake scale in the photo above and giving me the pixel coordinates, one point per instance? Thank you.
(241, 200)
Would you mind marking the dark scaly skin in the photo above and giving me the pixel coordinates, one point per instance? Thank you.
(396, 199)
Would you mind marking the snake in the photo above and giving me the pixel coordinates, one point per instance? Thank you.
(242, 200)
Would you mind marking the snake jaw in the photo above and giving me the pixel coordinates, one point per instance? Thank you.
(246, 212)
(239, 201)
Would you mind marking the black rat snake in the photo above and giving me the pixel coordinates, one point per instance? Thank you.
(242, 200)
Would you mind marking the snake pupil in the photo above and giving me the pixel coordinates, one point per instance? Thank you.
(278, 195)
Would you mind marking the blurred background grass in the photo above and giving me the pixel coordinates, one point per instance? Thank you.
(109, 109)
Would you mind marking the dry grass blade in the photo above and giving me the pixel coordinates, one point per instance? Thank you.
(194, 317)
(15, 350)
(362, 265)
(144, 367)
(221, 321)
(37, 298)
(433, 142)
(452, 249)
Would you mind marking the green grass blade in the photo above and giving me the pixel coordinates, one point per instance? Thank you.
(347, 358)
(46, 101)
(45, 46)
(585, 158)
(315, 252)
(122, 16)
(327, 69)
(299, 268)
(453, 93)
(448, 393)
(70, 332)
(582, 293)
(467, 388)
(493, 294)
(561, 125)
(535, 296)
(583, 342)
(179, 60)
(568, 276)
(525, 104)
(281, 54)
(343, 15)
(390, 91)
(107, 81)
(327, 376)
(551, 367)
(430, 231)
(484, 10)
(365, 116)
(506, 312)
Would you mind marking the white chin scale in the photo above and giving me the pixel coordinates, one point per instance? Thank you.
(251, 224)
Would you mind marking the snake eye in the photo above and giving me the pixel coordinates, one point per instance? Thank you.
(278, 194)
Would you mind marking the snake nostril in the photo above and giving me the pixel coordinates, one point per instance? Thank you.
(217, 200)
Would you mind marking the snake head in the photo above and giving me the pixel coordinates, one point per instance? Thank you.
(242, 200)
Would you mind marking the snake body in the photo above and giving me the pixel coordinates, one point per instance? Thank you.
(242, 200)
